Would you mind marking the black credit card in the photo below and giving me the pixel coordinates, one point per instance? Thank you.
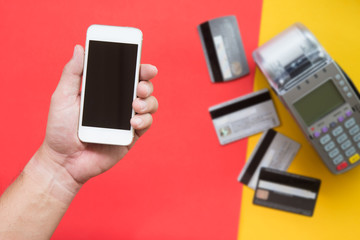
(223, 49)
(286, 191)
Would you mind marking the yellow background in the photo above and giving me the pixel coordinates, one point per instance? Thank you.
(336, 24)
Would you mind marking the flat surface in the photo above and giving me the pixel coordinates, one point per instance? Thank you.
(177, 182)
(337, 211)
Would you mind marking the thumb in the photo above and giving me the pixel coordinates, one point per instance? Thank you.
(70, 80)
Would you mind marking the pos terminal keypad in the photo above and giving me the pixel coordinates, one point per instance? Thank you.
(342, 141)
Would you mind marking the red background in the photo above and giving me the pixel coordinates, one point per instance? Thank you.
(177, 182)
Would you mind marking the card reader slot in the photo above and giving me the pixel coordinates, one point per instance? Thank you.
(299, 65)
(293, 82)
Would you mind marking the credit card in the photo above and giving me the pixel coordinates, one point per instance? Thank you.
(244, 116)
(223, 49)
(274, 150)
(286, 191)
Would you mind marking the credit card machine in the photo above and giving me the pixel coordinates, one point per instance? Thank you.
(319, 95)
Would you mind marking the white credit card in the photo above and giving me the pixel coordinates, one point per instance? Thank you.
(244, 116)
(274, 150)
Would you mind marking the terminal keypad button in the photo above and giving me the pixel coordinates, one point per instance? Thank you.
(346, 145)
(349, 113)
(326, 138)
(349, 123)
(337, 131)
(356, 137)
(353, 159)
(354, 129)
(342, 138)
(334, 153)
(338, 159)
(329, 146)
(351, 151)
(341, 166)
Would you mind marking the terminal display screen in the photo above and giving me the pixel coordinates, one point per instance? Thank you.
(318, 103)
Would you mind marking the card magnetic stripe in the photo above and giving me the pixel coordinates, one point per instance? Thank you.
(289, 179)
(256, 160)
(236, 106)
(210, 51)
(282, 202)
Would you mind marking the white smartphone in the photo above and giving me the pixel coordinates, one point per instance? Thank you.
(110, 78)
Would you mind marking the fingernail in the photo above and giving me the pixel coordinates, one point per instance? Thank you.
(74, 51)
(154, 68)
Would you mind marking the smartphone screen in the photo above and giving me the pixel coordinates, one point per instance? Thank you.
(109, 85)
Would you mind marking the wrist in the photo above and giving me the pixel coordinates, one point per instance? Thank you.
(51, 176)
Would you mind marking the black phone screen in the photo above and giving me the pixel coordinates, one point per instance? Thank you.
(109, 85)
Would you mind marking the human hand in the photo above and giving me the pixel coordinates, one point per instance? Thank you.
(34, 204)
(62, 153)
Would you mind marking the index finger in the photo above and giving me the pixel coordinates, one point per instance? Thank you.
(147, 72)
